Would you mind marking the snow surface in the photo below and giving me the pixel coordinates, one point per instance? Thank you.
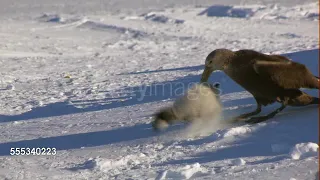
(304, 150)
(238, 162)
(85, 77)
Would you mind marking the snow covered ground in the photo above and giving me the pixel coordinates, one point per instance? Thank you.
(85, 77)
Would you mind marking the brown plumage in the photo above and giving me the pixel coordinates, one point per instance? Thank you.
(269, 78)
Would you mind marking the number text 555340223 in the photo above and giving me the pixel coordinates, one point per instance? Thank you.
(39, 151)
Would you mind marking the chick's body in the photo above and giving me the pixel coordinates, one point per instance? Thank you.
(200, 103)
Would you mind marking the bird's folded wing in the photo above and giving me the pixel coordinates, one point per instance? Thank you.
(284, 74)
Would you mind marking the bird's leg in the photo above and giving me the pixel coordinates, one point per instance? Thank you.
(243, 116)
(266, 117)
(303, 100)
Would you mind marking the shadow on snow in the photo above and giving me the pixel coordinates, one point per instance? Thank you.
(77, 141)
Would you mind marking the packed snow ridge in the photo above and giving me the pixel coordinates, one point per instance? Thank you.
(186, 172)
(155, 17)
(304, 150)
(275, 11)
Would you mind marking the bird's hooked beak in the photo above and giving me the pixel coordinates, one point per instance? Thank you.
(206, 74)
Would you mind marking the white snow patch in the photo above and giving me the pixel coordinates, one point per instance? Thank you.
(184, 173)
(238, 162)
(307, 12)
(125, 162)
(17, 122)
(304, 150)
(237, 131)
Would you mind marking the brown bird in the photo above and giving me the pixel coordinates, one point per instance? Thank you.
(269, 78)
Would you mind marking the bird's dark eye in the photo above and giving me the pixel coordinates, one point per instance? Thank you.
(210, 62)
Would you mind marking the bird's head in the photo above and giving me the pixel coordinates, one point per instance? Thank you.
(216, 60)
